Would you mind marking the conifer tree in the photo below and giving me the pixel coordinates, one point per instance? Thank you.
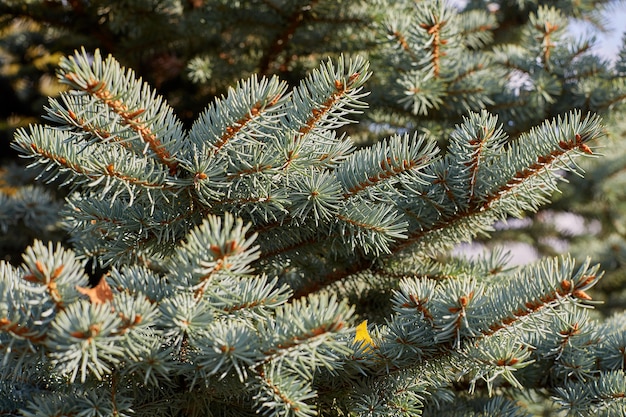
(288, 252)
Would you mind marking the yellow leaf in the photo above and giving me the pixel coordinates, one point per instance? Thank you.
(363, 336)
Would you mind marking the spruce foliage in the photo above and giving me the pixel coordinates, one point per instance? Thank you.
(277, 256)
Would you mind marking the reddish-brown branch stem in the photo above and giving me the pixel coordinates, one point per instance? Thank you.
(474, 163)
(281, 41)
(437, 53)
(130, 118)
(547, 28)
(388, 170)
(336, 325)
(238, 125)
(341, 89)
(565, 289)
